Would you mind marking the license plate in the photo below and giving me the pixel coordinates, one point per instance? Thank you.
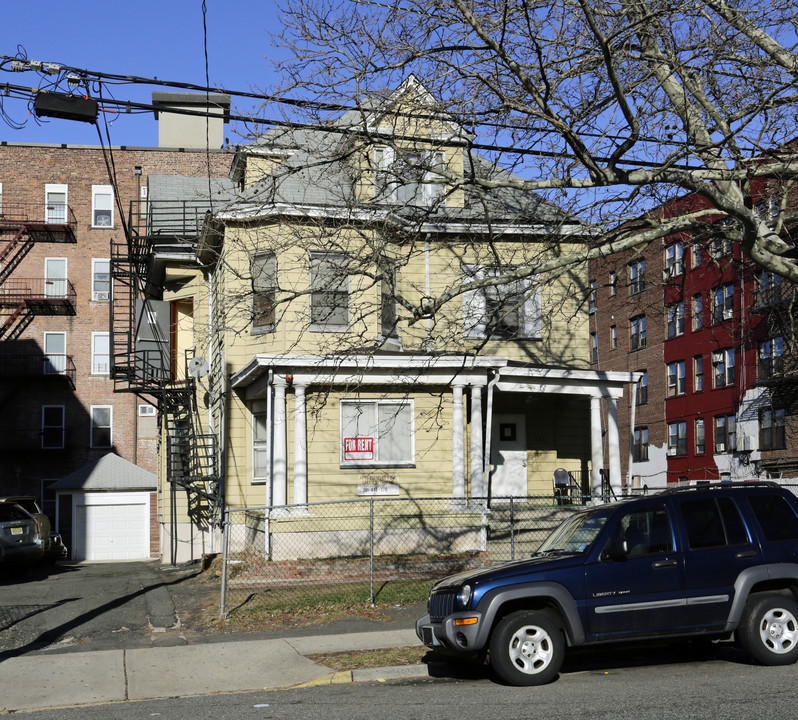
(17, 531)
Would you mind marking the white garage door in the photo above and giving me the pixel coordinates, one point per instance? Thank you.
(113, 526)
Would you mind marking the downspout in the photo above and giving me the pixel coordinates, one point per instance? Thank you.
(489, 432)
(269, 464)
(427, 291)
(632, 415)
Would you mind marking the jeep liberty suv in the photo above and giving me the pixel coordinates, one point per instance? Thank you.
(707, 561)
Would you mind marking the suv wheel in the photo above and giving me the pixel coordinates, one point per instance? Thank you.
(527, 648)
(768, 630)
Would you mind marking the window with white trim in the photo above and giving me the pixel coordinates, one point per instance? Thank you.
(499, 308)
(675, 313)
(409, 177)
(329, 291)
(377, 433)
(100, 279)
(676, 379)
(55, 357)
(725, 433)
(100, 353)
(723, 367)
(677, 438)
(260, 443)
(55, 277)
(55, 203)
(264, 292)
(637, 332)
(101, 425)
(674, 259)
(723, 303)
(700, 437)
(102, 206)
(52, 427)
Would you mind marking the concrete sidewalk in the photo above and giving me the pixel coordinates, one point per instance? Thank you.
(45, 680)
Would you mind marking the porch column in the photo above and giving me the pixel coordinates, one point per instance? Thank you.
(477, 461)
(458, 443)
(596, 450)
(300, 447)
(613, 446)
(279, 456)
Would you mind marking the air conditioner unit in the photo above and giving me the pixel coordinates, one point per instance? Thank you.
(101, 296)
(671, 451)
(720, 447)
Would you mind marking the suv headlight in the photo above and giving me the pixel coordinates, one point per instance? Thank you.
(464, 596)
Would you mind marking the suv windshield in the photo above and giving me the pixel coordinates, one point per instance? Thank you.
(576, 534)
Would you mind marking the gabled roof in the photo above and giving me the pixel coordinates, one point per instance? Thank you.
(110, 472)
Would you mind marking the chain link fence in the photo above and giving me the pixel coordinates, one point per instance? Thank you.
(374, 550)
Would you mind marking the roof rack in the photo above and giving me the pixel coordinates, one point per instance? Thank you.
(720, 486)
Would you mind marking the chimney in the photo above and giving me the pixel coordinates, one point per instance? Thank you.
(176, 130)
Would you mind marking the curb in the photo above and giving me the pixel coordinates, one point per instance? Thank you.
(380, 674)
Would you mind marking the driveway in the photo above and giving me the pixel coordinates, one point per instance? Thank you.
(88, 606)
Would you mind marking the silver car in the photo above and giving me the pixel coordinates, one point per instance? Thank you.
(20, 536)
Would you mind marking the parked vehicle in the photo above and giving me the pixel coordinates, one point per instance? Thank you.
(19, 536)
(54, 548)
(711, 562)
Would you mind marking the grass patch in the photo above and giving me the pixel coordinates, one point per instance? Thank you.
(360, 659)
(333, 596)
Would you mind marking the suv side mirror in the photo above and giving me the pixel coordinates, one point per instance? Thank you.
(616, 551)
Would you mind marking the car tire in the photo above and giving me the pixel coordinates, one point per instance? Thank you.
(768, 630)
(527, 648)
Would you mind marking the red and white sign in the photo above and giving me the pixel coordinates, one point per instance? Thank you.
(359, 448)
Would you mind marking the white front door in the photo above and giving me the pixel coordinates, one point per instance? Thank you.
(508, 456)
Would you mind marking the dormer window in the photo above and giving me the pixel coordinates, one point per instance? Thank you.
(409, 177)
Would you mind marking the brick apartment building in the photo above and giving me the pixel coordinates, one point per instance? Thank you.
(61, 208)
(707, 331)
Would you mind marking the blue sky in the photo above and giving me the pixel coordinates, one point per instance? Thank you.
(148, 38)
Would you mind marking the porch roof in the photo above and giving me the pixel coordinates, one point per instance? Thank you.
(349, 371)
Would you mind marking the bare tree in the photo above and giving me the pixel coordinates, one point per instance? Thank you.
(608, 107)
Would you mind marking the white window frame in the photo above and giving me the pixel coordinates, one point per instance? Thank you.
(675, 319)
(264, 284)
(56, 286)
(722, 368)
(147, 410)
(258, 408)
(375, 461)
(51, 217)
(54, 363)
(475, 306)
(96, 192)
(45, 427)
(100, 295)
(674, 259)
(677, 383)
(92, 424)
(96, 364)
(677, 438)
(329, 326)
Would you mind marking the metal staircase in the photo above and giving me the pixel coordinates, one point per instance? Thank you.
(192, 463)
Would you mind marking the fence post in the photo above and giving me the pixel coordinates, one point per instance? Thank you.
(512, 528)
(225, 558)
(371, 551)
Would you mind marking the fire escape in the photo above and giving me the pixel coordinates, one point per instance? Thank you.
(777, 368)
(24, 298)
(144, 358)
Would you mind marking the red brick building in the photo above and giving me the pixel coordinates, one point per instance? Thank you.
(61, 207)
(707, 330)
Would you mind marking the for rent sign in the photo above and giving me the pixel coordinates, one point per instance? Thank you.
(359, 448)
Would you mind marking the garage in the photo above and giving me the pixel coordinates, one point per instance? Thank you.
(111, 526)
(105, 511)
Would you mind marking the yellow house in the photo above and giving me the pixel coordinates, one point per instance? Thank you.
(364, 313)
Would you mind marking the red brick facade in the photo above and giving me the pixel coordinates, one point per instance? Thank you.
(25, 170)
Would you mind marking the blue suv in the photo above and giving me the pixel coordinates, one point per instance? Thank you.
(707, 561)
